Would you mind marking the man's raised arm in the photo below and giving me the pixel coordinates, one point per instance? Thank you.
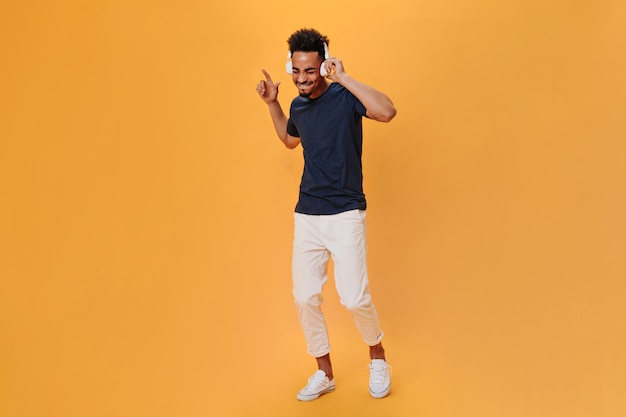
(379, 106)
(268, 91)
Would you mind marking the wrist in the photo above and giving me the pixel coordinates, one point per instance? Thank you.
(342, 77)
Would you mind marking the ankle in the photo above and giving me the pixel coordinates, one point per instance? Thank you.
(329, 373)
(323, 363)
(377, 352)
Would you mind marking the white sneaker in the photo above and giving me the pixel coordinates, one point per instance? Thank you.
(380, 378)
(318, 384)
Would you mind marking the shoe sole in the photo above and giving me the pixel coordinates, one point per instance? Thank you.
(315, 396)
(380, 394)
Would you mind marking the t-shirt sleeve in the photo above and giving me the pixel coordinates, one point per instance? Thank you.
(291, 129)
(358, 107)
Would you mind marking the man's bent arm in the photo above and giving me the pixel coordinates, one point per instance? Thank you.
(268, 91)
(379, 106)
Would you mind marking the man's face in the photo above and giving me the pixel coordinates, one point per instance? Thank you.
(306, 74)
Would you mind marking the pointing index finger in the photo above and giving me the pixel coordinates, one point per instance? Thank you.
(267, 76)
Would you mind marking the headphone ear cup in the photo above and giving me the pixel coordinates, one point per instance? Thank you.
(288, 66)
(323, 71)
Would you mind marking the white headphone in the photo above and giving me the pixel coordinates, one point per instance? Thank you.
(323, 71)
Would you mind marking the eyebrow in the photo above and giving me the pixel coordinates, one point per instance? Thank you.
(306, 69)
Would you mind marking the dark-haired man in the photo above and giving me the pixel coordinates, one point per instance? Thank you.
(329, 219)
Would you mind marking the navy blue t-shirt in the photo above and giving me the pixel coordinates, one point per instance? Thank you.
(331, 134)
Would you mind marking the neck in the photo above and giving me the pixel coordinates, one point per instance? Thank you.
(322, 89)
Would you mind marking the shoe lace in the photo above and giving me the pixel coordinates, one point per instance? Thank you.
(316, 380)
(378, 373)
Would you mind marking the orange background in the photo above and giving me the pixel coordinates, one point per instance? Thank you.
(145, 209)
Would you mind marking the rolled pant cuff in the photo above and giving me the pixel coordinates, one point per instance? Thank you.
(375, 341)
(320, 353)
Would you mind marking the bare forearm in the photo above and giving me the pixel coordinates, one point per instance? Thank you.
(378, 105)
(279, 119)
(280, 124)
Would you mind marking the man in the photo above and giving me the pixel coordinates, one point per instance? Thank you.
(329, 218)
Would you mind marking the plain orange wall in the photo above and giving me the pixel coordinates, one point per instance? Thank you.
(145, 208)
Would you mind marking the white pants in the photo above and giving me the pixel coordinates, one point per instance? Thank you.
(341, 236)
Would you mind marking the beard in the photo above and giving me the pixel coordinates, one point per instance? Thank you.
(305, 90)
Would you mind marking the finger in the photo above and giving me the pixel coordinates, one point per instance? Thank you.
(330, 67)
(267, 76)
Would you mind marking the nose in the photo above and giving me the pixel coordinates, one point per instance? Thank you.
(301, 77)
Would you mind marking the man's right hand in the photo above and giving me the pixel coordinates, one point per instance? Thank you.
(267, 89)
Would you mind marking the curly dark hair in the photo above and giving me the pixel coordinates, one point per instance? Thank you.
(307, 40)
